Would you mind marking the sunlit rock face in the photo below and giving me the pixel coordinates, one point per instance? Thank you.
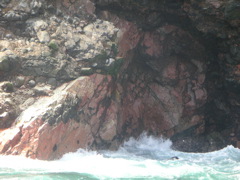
(72, 118)
(91, 74)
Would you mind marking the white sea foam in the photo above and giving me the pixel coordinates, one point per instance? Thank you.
(146, 157)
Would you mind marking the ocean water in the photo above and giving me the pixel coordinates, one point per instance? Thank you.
(144, 158)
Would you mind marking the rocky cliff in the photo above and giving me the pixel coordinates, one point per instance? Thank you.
(90, 74)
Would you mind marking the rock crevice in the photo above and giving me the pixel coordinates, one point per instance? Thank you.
(91, 74)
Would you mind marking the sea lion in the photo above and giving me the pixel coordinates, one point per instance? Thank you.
(174, 158)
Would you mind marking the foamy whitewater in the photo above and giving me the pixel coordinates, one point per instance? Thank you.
(145, 158)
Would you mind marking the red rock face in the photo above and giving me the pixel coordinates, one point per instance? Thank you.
(42, 141)
(163, 85)
(159, 90)
(36, 136)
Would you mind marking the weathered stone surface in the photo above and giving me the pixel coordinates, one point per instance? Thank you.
(170, 68)
(215, 26)
(4, 3)
(53, 126)
(43, 36)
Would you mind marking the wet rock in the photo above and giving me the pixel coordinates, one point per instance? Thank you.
(197, 144)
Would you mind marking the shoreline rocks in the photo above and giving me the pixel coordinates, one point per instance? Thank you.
(91, 74)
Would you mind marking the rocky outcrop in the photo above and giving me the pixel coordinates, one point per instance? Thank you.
(90, 74)
(63, 122)
(219, 22)
(58, 42)
(164, 90)
(215, 26)
(51, 48)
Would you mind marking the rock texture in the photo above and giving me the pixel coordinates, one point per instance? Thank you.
(62, 122)
(204, 37)
(90, 74)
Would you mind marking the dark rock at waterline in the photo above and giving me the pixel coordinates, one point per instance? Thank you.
(202, 143)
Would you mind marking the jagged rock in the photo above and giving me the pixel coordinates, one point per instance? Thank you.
(56, 118)
(19, 11)
(169, 68)
(97, 39)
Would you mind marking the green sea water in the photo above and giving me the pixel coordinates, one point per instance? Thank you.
(144, 158)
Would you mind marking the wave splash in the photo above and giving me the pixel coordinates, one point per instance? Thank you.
(146, 158)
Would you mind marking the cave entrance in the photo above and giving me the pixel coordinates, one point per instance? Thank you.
(164, 82)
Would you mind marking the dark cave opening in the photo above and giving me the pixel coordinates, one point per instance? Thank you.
(215, 110)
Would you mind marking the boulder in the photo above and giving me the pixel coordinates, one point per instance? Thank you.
(59, 123)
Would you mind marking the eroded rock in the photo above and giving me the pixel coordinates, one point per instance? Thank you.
(168, 68)
(47, 127)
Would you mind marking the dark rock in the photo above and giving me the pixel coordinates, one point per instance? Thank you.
(8, 87)
(232, 10)
(4, 64)
(52, 82)
(196, 144)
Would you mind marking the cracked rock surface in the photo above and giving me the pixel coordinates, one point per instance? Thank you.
(90, 74)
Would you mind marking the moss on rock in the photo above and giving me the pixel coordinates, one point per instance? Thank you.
(8, 87)
(114, 68)
(53, 46)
